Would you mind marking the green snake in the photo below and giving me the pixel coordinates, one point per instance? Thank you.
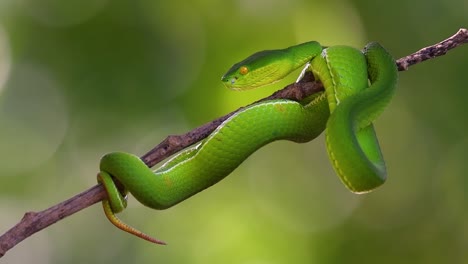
(358, 85)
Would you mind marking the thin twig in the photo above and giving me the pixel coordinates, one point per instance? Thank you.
(436, 50)
(33, 222)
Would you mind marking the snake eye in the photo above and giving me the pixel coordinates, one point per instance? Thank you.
(243, 70)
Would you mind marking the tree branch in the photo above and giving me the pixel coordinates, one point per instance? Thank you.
(33, 222)
(436, 50)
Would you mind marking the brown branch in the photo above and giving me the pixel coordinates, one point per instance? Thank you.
(436, 50)
(33, 222)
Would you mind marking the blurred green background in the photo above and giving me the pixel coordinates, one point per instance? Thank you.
(80, 78)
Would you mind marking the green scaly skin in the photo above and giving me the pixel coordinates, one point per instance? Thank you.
(351, 141)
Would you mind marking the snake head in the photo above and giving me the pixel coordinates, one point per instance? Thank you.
(230, 79)
(269, 66)
(262, 68)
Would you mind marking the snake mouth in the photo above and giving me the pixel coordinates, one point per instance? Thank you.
(226, 78)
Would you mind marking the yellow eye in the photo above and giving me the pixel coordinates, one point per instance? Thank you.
(243, 70)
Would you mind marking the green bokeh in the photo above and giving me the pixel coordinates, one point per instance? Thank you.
(82, 78)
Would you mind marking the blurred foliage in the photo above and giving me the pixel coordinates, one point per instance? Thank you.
(82, 78)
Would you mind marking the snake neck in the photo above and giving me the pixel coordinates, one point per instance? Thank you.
(303, 53)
